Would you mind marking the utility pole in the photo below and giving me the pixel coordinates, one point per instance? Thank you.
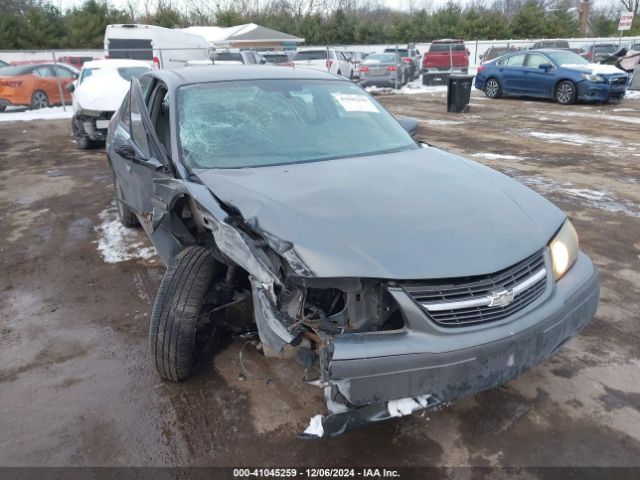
(583, 16)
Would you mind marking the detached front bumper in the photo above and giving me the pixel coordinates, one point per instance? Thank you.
(376, 376)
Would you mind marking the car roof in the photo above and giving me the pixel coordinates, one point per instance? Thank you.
(115, 63)
(222, 73)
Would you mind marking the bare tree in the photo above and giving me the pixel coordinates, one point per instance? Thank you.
(631, 5)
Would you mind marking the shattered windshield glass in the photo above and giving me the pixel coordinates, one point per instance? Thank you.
(270, 122)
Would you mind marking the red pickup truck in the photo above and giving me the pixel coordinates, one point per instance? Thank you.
(444, 58)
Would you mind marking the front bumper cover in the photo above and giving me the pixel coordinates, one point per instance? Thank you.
(383, 375)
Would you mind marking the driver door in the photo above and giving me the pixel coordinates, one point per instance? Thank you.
(143, 157)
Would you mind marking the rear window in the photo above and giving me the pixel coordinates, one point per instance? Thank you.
(604, 48)
(311, 55)
(134, 49)
(15, 71)
(381, 58)
(127, 73)
(444, 47)
(402, 52)
(276, 58)
(228, 57)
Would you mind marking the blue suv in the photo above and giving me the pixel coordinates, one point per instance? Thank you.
(550, 73)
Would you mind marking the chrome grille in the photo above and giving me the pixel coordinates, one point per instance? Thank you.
(482, 299)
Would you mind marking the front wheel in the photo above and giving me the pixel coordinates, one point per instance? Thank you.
(492, 88)
(566, 93)
(184, 326)
(83, 142)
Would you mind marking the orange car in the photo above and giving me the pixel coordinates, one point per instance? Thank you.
(35, 86)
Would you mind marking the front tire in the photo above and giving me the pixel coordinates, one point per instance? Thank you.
(183, 332)
(83, 142)
(492, 88)
(39, 99)
(566, 93)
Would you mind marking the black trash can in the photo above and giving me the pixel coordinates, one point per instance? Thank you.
(459, 92)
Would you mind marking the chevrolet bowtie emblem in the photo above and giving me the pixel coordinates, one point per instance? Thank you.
(501, 298)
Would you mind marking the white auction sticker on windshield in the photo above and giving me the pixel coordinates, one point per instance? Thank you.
(355, 103)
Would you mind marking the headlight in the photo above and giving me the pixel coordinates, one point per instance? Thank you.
(592, 77)
(564, 249)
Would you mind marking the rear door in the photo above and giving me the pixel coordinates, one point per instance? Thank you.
(512, 72)
(538, 81)
(66, 76)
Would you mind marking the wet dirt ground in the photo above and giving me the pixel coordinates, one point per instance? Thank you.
(77, 386)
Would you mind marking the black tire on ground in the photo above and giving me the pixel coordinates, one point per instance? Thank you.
(125, 215)
(83, 142)
(402, 81)
(39, 99)
(2, 107)
(426, 79)
(182, 334)
(492, 88)
(566, 92)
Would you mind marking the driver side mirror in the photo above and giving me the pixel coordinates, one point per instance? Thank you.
(409, 124)
(70, 87)
(545, 66)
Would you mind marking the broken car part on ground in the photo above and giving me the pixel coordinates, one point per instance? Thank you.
(403, 275)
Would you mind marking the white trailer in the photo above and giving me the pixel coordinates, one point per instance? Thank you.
(163, 47)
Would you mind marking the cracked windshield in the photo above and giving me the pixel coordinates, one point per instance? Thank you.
(271, 122)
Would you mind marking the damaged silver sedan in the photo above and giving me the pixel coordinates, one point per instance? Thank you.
(292, 204)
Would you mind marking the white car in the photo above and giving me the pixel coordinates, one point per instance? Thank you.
(98, 93)
(324, 59)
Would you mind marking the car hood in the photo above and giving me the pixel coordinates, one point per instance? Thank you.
(596, 68)
(417, 214)
(103, 91)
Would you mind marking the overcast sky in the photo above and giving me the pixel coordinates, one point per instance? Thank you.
(397, 4)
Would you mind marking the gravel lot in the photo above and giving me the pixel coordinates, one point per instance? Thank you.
(77, 386)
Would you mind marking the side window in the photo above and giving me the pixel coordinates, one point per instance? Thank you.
(125, 112)
(515, 60)
(145, 83)
(535, 60)
(64, 73)
(43, 72)
(138, 133)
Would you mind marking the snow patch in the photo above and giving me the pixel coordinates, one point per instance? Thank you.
(601, 116)
(499, 156)
(632, 95)
(593, 68)
(315, 427)
(572, 138)
(444, 122)
(406, 406)
(53, 113)
(119, 244)
(602, 200)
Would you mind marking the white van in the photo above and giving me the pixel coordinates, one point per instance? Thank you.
(164, 47)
